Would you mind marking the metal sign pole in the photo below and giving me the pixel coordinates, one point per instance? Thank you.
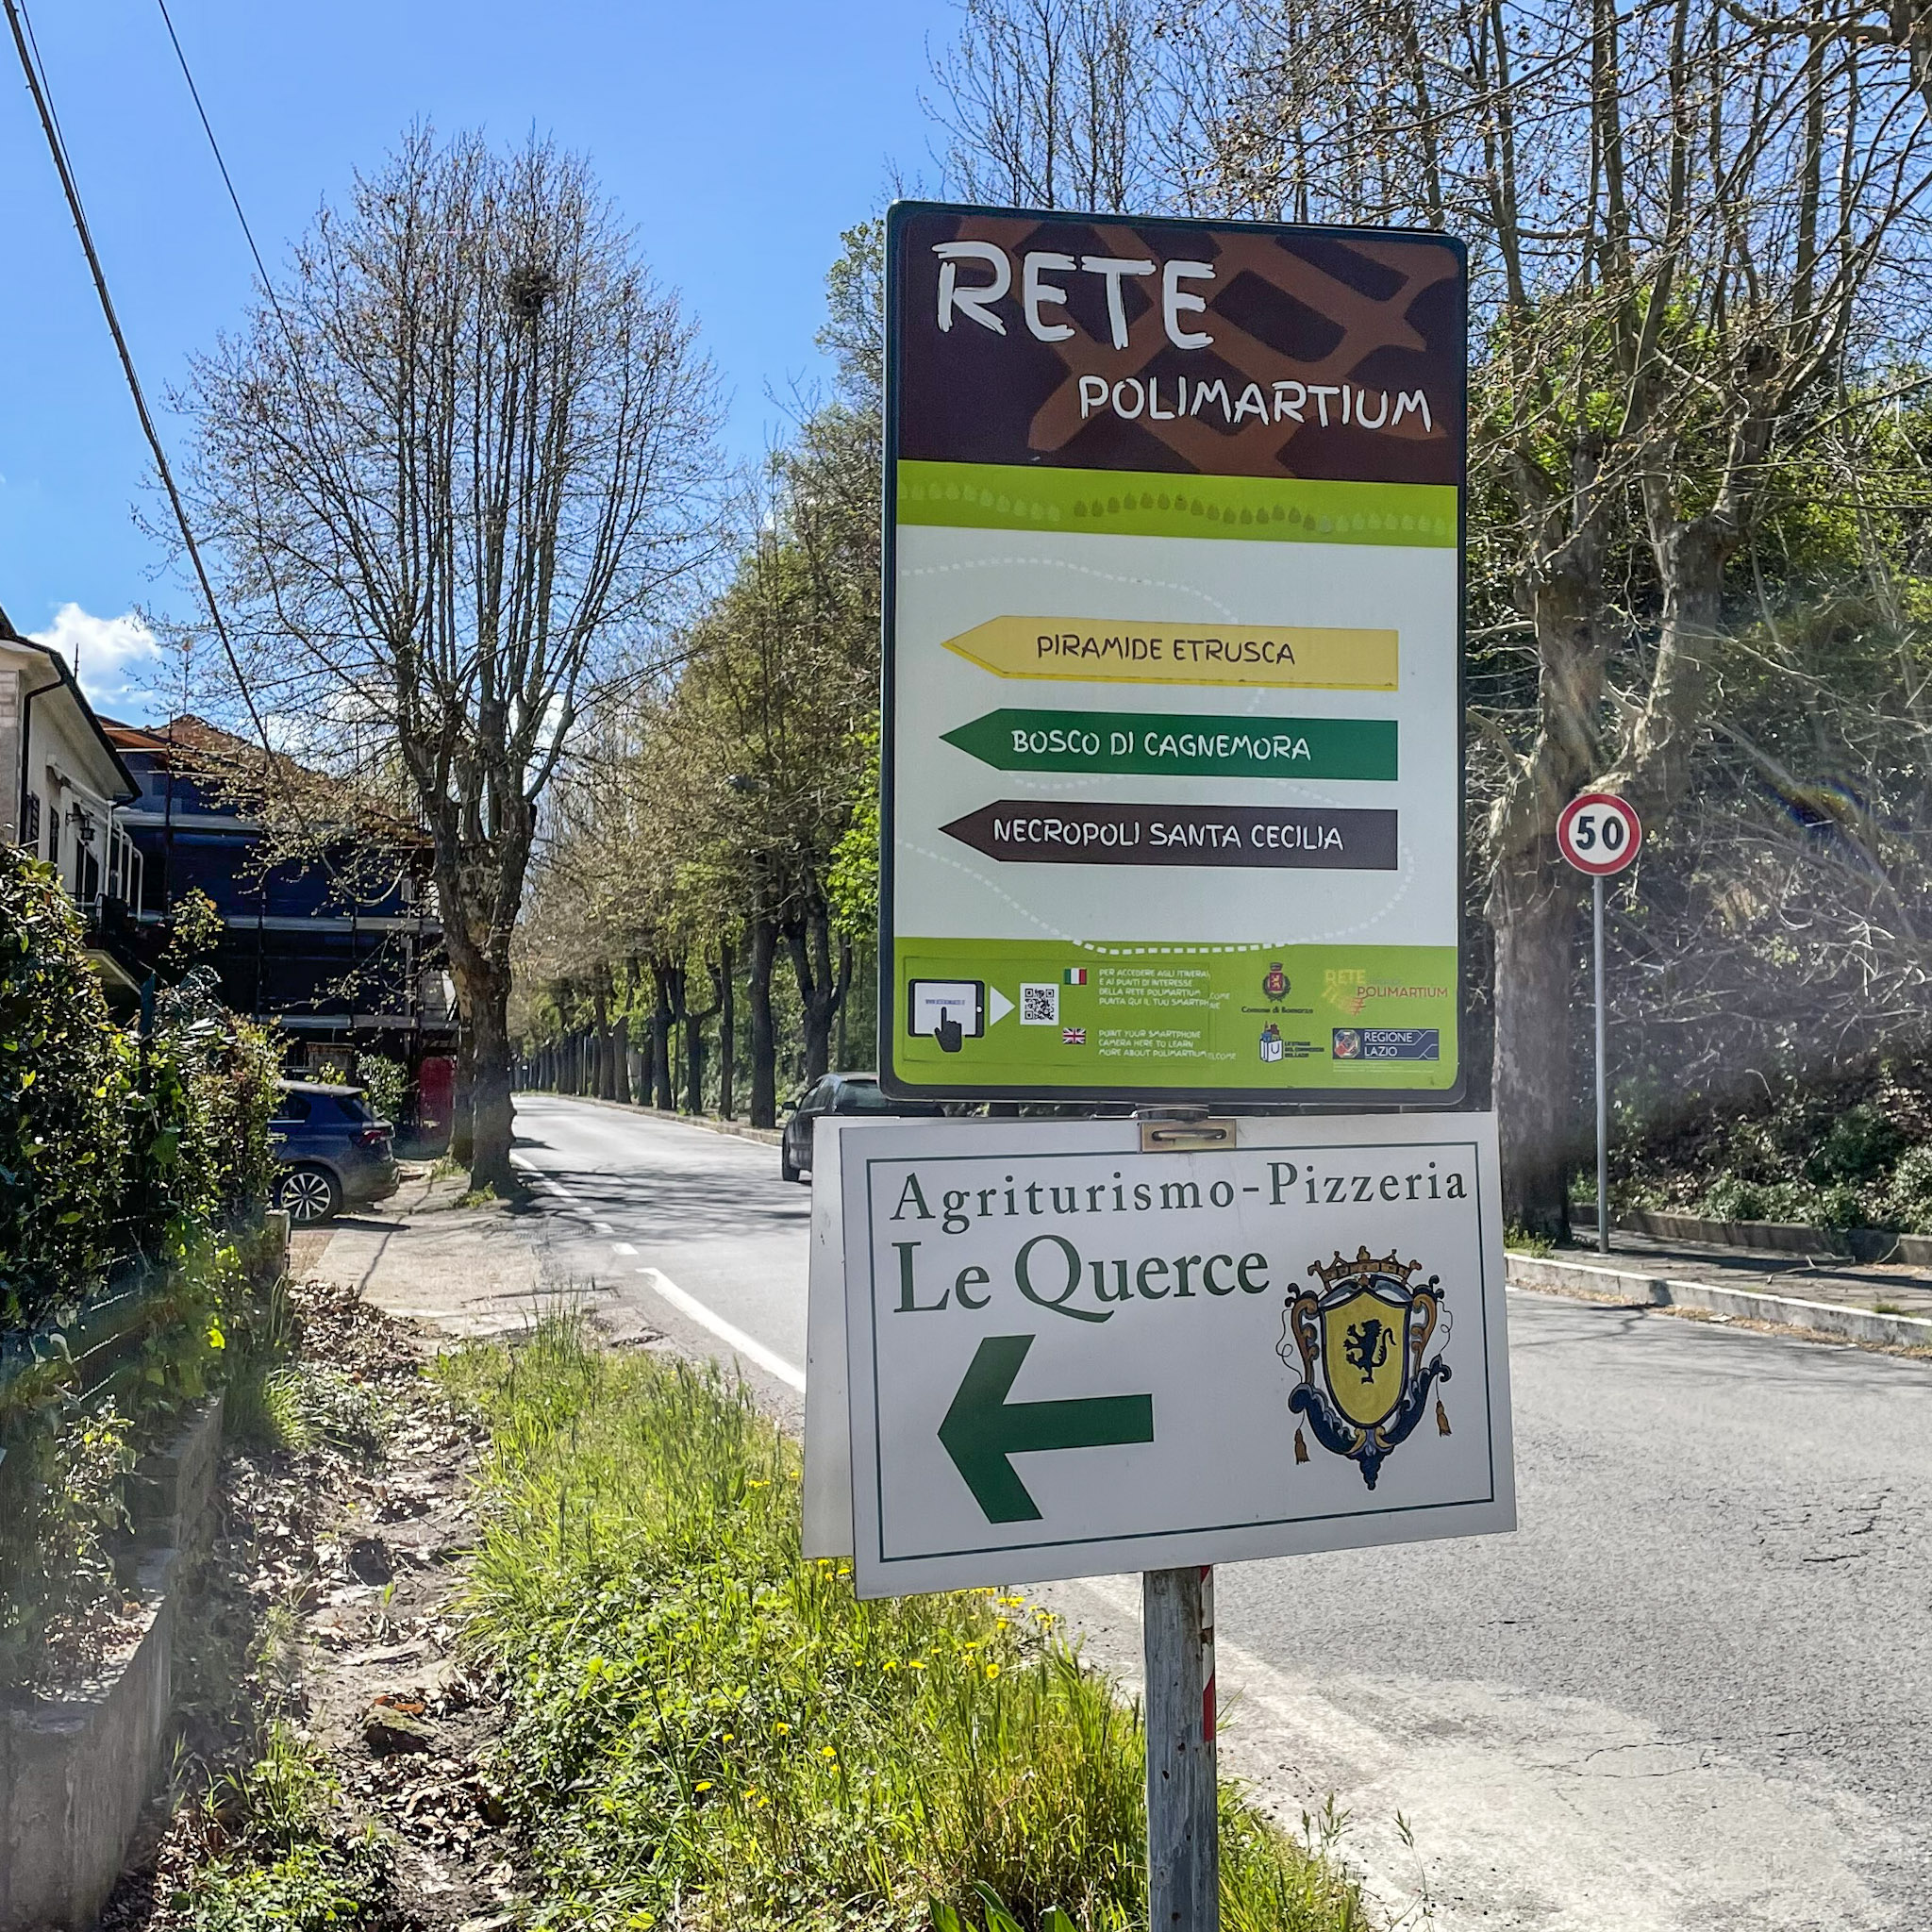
(1183, 1841)
(1603, 1105)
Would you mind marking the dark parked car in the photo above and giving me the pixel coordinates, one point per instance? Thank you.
(846, 1094)
(335, 1153)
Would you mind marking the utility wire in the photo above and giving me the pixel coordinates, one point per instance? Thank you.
(228, 180)
(37, 85)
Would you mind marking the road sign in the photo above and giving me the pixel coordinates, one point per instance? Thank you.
(1039, 1350)
(1172, 658)
(1599, 834)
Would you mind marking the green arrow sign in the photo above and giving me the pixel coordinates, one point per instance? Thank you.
(982, 1428)
(1154, 744)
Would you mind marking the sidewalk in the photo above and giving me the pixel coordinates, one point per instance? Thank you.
(482, 1271)
(1889, 1303)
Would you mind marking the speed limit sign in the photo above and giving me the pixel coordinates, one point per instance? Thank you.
(1599, 834)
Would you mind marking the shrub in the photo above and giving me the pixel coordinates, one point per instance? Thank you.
(1908, 1199)
(124, 1161)
(65, 1076)
(388, 1085)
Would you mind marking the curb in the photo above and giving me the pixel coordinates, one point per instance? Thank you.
(1786, 1311)
(710, 1123)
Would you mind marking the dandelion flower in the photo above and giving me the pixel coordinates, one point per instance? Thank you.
(827, 1751)
(992, 1671)
(781, 1728)
(704, 1784)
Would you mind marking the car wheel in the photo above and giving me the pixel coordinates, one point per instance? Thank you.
(309, 1193)
(787, 1172)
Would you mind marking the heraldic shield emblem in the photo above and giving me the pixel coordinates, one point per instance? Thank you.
(1361, 1343)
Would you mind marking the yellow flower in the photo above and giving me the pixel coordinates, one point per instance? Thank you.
(892, 1663)
(730, 1737)
(915, 1665)
(215, 1337)
(992, 1671)
(1003, 1624)
(704, 1784)
(781, 1728)
(827, 1751)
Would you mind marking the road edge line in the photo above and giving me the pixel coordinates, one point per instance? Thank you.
(733, 1337)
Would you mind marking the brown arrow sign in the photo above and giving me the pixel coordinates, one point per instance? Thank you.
(1046, 832)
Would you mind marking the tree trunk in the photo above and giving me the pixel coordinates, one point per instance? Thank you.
(665, 1082)
(493, 1115)
(461, 1139)
(728, 1027)
(764, 1042)
(619, 1059)
(695, 1025)
(1532, 910)
(822, 988)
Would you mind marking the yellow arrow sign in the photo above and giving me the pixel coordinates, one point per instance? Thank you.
(1108, 651)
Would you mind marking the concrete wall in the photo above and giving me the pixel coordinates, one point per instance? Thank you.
(75, 1770)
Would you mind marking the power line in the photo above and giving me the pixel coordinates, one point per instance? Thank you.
(215, 148)
(37, 85)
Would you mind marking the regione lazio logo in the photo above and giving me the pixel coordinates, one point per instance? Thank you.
(1362, 1344)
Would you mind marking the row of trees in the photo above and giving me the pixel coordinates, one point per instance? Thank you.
(462, 470)
(711, 833)
(1697, 244)
(1698, 510)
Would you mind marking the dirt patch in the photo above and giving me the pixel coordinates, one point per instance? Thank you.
(325, 1605)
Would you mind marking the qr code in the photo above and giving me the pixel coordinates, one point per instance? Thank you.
(1040, 1005)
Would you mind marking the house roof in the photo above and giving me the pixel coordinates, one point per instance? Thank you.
(193, 743)
(93, 723)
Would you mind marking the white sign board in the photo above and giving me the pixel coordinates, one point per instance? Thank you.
(1064, 1357)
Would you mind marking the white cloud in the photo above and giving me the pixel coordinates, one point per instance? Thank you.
(117, 659)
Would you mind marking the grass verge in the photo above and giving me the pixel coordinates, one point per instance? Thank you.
(710, 1731)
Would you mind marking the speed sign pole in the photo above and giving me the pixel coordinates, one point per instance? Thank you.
(1599, 835)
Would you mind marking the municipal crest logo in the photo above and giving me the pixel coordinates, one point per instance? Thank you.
(1274, 982)
(1360, 1343)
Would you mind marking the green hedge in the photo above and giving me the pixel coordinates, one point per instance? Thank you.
(125, 1163)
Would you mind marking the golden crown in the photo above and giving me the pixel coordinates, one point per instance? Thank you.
(1364, 1263)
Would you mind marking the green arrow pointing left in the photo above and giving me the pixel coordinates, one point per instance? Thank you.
(982, 1428)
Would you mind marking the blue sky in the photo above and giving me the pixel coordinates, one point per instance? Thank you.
(739, 136)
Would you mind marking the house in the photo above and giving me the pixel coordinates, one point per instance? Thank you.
(338, 943)
(61, 780)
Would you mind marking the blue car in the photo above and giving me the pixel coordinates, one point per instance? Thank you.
(335, 1153)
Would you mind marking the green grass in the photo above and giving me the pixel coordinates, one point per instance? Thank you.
(712, 1732)
(1521, 1241)
(299, 1865)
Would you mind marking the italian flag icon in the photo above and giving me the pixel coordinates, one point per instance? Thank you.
(1073, 976)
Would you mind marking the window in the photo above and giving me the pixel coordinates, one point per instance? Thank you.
(294, 1106)
(862, 1096)
(351, 1107)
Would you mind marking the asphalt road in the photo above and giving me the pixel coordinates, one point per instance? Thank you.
(1692, 1693)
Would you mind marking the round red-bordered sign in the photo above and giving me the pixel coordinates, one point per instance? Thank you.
(1599, 834)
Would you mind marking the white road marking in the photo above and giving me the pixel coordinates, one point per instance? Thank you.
(733, 1338)
(622, 1248)
(602, 1227)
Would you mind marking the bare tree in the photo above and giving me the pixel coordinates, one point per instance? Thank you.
(456, 464)
(1052, 104)
(1689, 223)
